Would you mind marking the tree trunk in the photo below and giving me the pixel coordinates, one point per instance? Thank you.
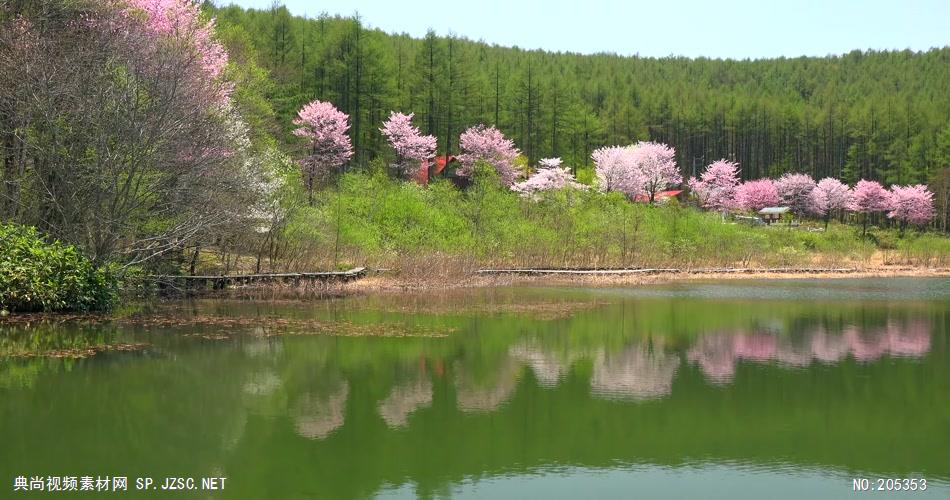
(194, 258)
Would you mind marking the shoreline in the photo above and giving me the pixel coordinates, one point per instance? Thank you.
(389, 283)
(385, 283)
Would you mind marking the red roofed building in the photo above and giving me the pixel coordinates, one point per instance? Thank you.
(660, 196)
(428, 170)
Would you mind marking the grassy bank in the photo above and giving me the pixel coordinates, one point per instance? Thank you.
(439, 230)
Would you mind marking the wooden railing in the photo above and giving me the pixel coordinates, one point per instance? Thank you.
(219, 282)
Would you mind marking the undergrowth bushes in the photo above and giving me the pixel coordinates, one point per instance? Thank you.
(38, 275)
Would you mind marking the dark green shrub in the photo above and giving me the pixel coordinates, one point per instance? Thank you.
(36, 275)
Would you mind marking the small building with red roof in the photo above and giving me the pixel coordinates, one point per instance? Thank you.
(436, 167)
(660, 196)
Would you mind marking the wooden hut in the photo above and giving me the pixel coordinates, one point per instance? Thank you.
(772, 214)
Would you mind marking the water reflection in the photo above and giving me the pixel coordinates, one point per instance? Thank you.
(316, 415)
(404, 399)
(548, 368)
(262, 383)
(507, 394)
(717, 354)
(638, 372)
(475, 396)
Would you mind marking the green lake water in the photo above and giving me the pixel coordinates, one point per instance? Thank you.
(743, 389)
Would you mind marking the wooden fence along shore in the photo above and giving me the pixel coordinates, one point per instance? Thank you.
(223, 281)
(717, 270)
(296, 279)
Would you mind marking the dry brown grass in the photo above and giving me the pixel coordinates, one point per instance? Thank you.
(395, 283)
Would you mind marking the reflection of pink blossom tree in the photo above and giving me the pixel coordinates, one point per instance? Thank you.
(793, 354)
(716, 357)
(911, 339)
(635, 373)
(717, 354)
(756, 347)
(473, 395)
(828, 348)
(404, 399)
(865, 346)
(317, 416)
(547, 367)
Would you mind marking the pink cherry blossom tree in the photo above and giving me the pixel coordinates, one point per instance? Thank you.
(911, 205)
(413, 150)
(616, 170)
(178, 26)
(330, 148)
(869, 197)
(756, 195)
(716, 186)
(123, 109)
(489, 145)
(657, 165)
(795, 192)
(549, 162)
(829, 195)
(551, 176)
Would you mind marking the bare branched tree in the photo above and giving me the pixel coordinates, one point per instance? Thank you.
(114, 137)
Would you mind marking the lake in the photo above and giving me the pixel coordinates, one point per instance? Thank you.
(737, 389)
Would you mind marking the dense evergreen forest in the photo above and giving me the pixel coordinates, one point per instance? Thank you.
(873, 115)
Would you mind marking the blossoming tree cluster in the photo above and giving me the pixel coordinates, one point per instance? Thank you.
(550, 176)
(413, 150)
(324, 127)
(487, 144)
(124, 109)
(718, 188)
(644, 168)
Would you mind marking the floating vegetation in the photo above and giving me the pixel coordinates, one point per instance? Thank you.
(80, 352)
(37, 319)
(269, 326)
(347, 329)
(83, 336)
(536, 310)
(208, 336)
